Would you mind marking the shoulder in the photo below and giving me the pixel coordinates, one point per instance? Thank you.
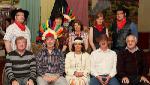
(28, 52)
(11, 27)
(70, 54)
(12, 53)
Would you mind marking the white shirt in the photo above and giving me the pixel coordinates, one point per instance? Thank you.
(103, 62)
(13, 31)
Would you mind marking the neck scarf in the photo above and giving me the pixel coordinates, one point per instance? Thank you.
(99, 27)
(120, 24)
(20, 25)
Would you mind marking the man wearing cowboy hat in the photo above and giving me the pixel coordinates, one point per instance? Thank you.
(121, 28)
(18, 28)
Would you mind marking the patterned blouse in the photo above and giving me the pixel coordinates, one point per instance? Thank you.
(50, 63)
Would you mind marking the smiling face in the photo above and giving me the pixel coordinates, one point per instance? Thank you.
(50, 42)
(78, 47)
(100, 20)
(103, 44)
(21, 44)
(58, 21)
(19, 17)
(120, 15)
(131, 42)
(77, 27)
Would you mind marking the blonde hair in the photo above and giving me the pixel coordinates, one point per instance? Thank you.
(20, 38)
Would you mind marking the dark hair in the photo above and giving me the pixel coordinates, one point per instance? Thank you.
(57, 16)
(125, 10)
(79, 22)
(83, 47)
(99, 14)
(103, 37)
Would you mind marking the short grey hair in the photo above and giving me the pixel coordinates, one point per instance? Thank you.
(131, 35)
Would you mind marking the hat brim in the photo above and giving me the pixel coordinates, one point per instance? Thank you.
(14, 12)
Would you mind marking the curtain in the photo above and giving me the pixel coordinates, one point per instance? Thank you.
(33, 6)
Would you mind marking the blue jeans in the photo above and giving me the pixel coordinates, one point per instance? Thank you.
(94, 81)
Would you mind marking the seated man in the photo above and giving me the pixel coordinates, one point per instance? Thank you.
(20, 66)
(103, 64)
(50, 64)
(132, 69)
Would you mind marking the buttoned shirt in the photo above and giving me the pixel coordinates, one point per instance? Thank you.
(103, 62)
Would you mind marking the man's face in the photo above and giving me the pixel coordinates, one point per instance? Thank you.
(20, 17)
(21, 45)
(50, 42)
(120, 15)
(78, 47)
(131, 42)
(103, 44)
(99, 20)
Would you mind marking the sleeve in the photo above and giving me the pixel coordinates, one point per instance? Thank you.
(39, 67)
(113, 71)
(33, 68)
(9, 34)
(93, 65)
(62, 64)
(121, 65)
(87, 65)
(144, 66)
(134, 29)
(68, 68)
(8, 69)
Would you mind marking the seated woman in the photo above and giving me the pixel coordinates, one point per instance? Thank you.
(77, 64)
(78, 32)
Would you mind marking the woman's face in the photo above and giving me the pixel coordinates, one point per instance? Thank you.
(58, 21)
(77, 27)
(99, 20)
(78, 47)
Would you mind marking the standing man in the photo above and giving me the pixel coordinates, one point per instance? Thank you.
(18, 28)
(121, 28)
(20, 67)
(50, 63)
(131, 67)
(103, 64)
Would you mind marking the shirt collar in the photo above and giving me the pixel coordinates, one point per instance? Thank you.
(100, 50)
(133, 50)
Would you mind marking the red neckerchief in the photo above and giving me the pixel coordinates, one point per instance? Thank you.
(99, 27)
(120, 24)
(21, 26)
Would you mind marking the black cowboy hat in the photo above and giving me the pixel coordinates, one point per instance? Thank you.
(14, 12)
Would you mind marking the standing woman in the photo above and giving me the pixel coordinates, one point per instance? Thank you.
(98, 29)
(78, 32)
(77, 64)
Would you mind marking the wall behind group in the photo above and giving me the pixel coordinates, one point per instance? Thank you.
(144, 16)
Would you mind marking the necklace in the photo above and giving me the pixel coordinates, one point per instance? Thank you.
(78, 65)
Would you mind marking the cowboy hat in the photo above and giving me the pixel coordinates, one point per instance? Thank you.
(14, 12)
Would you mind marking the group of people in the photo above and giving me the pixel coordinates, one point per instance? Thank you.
(122, 64)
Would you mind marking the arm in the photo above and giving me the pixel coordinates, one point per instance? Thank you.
(70, 43)
(8, 69)
(91, 39)
(68, 68)
(62, 64)
(33, 68)
(86, 41)
(93, 66)
(113, 71)
(8, 46)
(121, 65)
(39, 66)
(134, 29)
(86, 71)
